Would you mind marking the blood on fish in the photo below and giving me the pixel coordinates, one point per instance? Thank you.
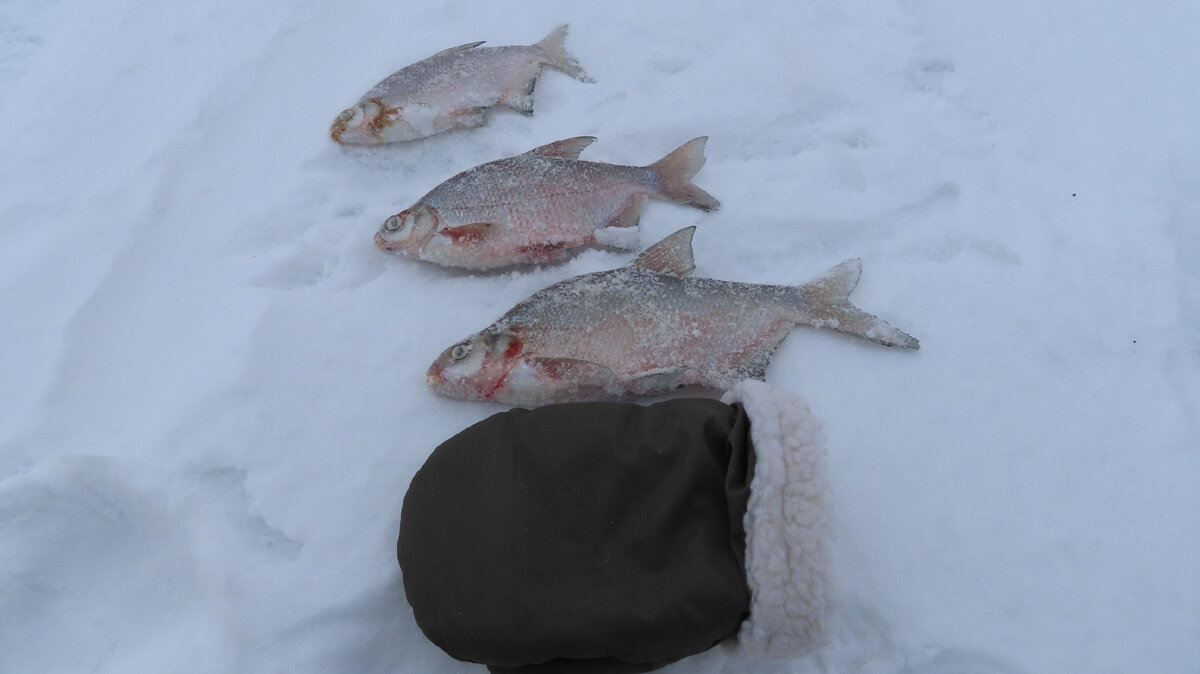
(384, 118)
(509, 363)
(514, 347)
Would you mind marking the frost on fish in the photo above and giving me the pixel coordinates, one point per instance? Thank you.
(646, 329)
(624, 238)
(453, 89)
(540, 206)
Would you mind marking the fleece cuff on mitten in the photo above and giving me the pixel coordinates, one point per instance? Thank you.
(787, 525)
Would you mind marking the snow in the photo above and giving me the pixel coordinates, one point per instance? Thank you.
(211, 383)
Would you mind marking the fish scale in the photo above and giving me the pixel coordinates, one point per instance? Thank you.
(638, 321)
(529, 191)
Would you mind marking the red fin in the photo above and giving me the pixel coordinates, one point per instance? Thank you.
(672, 255)
(583, 372)
(568, 148)
(542, 252)
(675, 173)
(467, 233)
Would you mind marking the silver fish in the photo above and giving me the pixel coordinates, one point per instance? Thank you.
(538, 206)
(453, 89)
(645, 329)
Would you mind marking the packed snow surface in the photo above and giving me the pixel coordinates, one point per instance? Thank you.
(212, 389)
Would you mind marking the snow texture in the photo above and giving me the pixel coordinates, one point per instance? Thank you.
(212, 391)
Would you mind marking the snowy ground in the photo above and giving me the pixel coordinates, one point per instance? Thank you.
(211, 383)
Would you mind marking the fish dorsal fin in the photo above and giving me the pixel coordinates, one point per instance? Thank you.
(672, 255)
(461, 47)
(567, 149)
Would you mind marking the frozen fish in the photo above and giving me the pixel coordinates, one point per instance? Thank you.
(645, 329)
(453, 89)
(538, 206)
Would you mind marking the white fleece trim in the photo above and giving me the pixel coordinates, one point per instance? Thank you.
(787, 525)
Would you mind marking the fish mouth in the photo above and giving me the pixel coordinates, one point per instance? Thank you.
(345, 134)
(341, 132)
(453, 388)
(434, 378)
(437, 382)
(394, 247)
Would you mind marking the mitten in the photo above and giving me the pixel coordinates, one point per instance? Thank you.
(614, 537)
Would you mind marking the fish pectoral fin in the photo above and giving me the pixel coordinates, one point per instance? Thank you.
(469, 233)
(461, 47)
(583, 372)
(549, 251)
(568, 148)
(630, 212)
(672, 255)
(518, 94)
(469, 118)
(657, 381)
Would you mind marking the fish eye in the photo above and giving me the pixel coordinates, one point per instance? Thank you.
(347, 115)
(459, 352)
(392, 224)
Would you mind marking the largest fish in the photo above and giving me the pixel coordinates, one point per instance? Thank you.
(453, 89)
(646, 329)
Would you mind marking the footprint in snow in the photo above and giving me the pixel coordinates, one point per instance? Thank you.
(306, 266)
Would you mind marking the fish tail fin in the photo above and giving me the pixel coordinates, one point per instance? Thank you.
(675, 173)
(553, 45)
(827, 304)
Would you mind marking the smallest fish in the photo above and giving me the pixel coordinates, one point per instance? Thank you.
(453, 89)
